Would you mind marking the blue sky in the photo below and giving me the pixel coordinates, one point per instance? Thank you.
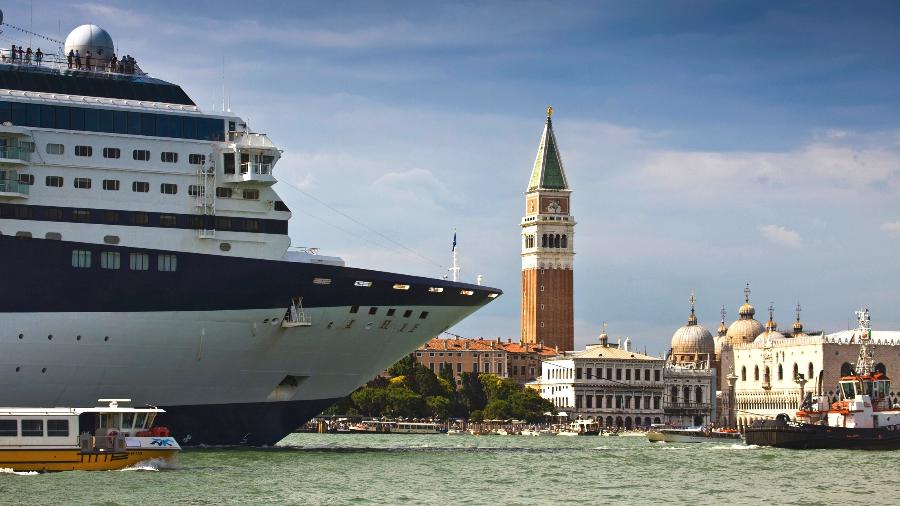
(709, 144)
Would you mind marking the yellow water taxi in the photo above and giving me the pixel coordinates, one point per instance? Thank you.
(88, 439)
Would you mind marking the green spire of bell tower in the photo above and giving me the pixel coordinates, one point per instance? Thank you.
(548, 173)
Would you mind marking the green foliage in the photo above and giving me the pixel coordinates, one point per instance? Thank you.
(414, 391)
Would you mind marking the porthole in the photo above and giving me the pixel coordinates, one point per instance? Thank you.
(111, 239)
(21, 336)
(225, 246)
(18, 368)
(266, 320)
(78, 338)
(43, 370)
(106, 338)
(50, 337)
(53, 236)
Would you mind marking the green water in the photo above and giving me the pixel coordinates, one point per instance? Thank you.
(441, 469)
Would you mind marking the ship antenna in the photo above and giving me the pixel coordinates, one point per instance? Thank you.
(865, 362)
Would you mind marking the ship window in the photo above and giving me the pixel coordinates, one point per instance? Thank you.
(81, 215)
(81, 259)
(223, 223)
(84, 151)
(34, 428)
(195, 159)
(140, 218)
(111, 217)
(23, 212)
(26, 179)
(139, 261)
(229, 163)
(435, 289)
(141, 155)
(168, 188)
(23, 234)
(167, 220)
(390, 312)
(373, 310)
(111, 184)
(281, 206)
(364, 284)
(55, 149)
(57, 428)
(168, 157)
(111, 153)
(140, 187)
(407, 313)
(251, 225)
(223, 193)
(140, 420)
(127, 420)
(110, 260)
(225, 246)
(54, 181)
(83, 183)
(8, 428)
(53, 236)
(196, 190)
(54, 213)
(423, 315)
(167, 263)
(354, 309)
(111, 239)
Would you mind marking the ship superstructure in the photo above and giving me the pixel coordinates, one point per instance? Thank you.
(146, 255)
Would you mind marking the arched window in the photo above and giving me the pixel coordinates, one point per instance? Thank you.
(674, 394)
(846, 369)
(687, 393)
(556, 241)
(767, 377)
(780, 372)
(796, 371)
(744, 373)
(756, 373)
(879, 367)
(811, 373)
(544, 241)
(698, 394)
(565, 243)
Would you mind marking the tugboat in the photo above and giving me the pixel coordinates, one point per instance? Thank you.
(103, 438)
(862, 419)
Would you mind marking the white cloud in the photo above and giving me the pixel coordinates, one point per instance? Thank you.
(891, 226)
(781, 235)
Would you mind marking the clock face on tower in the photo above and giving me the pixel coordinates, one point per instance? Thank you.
(554, 207)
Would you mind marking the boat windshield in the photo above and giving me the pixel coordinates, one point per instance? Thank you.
(867, 388)
(848, 389)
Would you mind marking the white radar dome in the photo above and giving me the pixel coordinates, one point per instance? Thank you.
(93, 39)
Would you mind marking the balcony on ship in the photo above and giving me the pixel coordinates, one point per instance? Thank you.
(249, 158)
(15, 150)
(13, 185)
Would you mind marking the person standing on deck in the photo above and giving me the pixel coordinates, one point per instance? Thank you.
(78, 59)
(39, 56)
(13, 53)
(70, 58)
(28, 56)
(87, 61)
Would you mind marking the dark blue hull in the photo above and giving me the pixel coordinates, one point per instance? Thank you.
(251, 424)
(805, 436)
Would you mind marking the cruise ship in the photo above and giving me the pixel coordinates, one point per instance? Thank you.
(145, 255)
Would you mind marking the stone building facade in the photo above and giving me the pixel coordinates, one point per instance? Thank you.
(506, 359)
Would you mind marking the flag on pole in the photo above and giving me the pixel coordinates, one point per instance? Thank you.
(454, 242)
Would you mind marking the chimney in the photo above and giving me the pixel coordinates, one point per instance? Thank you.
(445, 343)
(619, 343)
(466, 344)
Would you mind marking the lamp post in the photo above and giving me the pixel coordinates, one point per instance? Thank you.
(732, 379)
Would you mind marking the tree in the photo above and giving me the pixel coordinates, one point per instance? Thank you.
(426, 383)
(527, 404)
(406, 366)
(370, 400)
(472, 392)
(498, 409)
(401, 401)
(438, 406)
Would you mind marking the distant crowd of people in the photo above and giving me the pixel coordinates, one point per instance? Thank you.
(74, 59)
(17, 54)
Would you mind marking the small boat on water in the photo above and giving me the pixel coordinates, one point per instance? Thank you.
(418, 428)
(864, 418)
(82, 439)
(691, 435)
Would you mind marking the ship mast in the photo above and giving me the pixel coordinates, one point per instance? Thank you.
(865, 362)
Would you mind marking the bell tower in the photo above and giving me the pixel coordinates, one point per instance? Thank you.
(548, 230)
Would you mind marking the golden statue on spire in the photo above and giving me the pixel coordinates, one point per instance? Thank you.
(549, 111)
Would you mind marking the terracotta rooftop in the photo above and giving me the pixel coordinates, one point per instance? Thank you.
(438, 344)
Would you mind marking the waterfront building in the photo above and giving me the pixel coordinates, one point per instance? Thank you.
(690, 375)
(506, 359)
(611, 384)
(548, 250)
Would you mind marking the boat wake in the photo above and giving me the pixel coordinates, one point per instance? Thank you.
(6, 470)
(153, 465)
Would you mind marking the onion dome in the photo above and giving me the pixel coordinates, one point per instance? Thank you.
(692, 339)
(798, 326)
(771, 333)
(745, 329)
(603, 338)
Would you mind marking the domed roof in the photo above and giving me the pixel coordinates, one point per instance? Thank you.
(719, 341)
(769, 335)
(745, 329)
(90, 38)
(692, 338)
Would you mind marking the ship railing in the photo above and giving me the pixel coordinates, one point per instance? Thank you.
(14, 186)
(15, 153)
(295, 316)
(55, 62)
(258, 168)
(311, 250)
